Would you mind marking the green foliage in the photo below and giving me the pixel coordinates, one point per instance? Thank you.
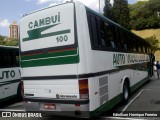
(107, 9)
(136, 10)
(145, 14)
(11, 42)
(8, 41)
(153, 5)
(120, 13)
(154, 42)
(138, 24)
(152, 22)
(1, 37)
(2, 40)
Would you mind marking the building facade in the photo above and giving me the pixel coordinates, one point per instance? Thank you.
(14, 30)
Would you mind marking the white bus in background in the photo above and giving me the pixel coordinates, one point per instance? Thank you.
(9, 73)
(76, 62)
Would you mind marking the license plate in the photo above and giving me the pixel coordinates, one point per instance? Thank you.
(50, 106)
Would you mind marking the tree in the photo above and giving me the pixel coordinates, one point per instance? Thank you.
(139, 23)
(153, 5)
(145, 14)
(11, 42)
(107, 9)
(8, 41)
(136, 10)
(1, 40)
(120, 12)
(154, 42)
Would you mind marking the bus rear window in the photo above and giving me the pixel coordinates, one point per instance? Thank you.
(48, 28)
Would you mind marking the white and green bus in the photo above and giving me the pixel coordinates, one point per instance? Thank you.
(76, 62)
(10, 85)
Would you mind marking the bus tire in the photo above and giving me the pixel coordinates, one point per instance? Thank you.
(19, 92)
(126, 92)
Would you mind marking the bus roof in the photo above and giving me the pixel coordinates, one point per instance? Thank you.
(8, 47)
(44, 9)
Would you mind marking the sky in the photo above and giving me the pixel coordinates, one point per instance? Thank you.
(12, 10)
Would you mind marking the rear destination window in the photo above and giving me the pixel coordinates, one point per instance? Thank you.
(48, 28)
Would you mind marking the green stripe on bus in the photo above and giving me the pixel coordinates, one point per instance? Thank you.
(51, 61)
(36, 34)
(137, 85)
(107, 106)
(114, 101)
(45, 55)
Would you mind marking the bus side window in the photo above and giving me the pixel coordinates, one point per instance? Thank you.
(127, 42)
(1, 59)
(142, 47)
(102, 31)
(146, 47)
(122, 40)
(112, 44)
(5, 61)
(97, 20)
(93, 32)
(97, 32)
(125, 46)
(8, 58)
(139, 46)
(134, 44)
(110, 35)
(15, 59)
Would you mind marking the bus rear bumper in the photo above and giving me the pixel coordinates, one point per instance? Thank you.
(71, 108)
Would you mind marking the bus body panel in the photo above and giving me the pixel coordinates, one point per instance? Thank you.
(38, 84)
(9, 81)
(51, 70)
(84, 66)
(52, 89)
(13, 81)
(47, 84)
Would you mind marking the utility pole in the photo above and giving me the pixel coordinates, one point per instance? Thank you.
(99, 7)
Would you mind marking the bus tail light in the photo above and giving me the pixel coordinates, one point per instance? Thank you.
(83, 89)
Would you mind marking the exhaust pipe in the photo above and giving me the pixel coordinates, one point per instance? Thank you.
(78, 112)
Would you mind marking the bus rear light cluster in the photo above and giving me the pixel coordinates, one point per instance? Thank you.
(77, 105)
(83, 89)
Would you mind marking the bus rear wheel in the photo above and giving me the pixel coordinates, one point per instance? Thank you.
(126, 92)
(19, 92)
